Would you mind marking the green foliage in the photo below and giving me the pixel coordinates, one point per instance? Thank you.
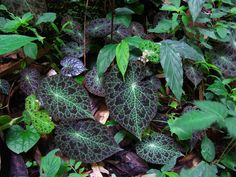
(46, 17)
(4, 86)
(208, 149)
(12, 42)
(131, 102)
(193, 121)
(64, 98)
(31, 50)
(87, 141)
(105, 57)
(195, 7)
(158, 149)
(32, 104)
(193, 74)
(21, 140)
(202, 169)
(230, 125)
(226, 64)
(151, 51)
(122, 56)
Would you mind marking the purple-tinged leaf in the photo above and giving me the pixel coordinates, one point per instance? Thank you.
(4, 86)
(73, 49)
(193, 74)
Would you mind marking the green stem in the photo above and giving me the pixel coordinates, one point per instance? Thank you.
(225, 150)
(9, 124)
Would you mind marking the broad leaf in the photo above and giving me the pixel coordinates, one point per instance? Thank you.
(185, 50)
(158, 149)
(72, 66)
(4, 86)
(105, 57)
(230, 125)
(31, 50)
(46, 17)
(208, 149)
(64, 98)
(93, 83)
(226, 64)
(42, 122)
(20, 140)
(201, 170)
(195, 7)
(193, 74)
(190, 122)
(151, 50)
(50, 164)
(172, 66)
(132, 102)
(216, 108)
(73, 49)
(164, 26)
(122, 56)
(12, 42)
(29, 81)
(31, 103)
(87, 141)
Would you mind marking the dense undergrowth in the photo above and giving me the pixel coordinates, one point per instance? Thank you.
(118, 88)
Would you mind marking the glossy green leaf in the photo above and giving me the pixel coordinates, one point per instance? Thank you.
(46, 17)
(105, 57)
(203, 169)
(4, 119)
(195, 7)
(64, 98)
(158, 149)
(31, 50)
(21, 140)
(50, 164)
(12, 42)
(230, 125)
(208, 149)
(42, 122)
(132, 102)
(86, 141)
(172, 66)
(31, 103)
(122, 56)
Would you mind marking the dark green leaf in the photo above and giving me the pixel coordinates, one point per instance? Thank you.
(164, 26)
(208, 149)
(122, 56)
(172, 66)
(123, 11)
(12, 42)
(46, 17)
(4, 86)
(195, 7)
(158, 149)
(132, 102)
(31, 50)
(64, 98)
(20, 140)
(86, 141)
(193, 74)
(105, 57)
(201, 170)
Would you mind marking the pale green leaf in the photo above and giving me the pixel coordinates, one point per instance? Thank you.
(46, 17)
(12, 42)
(31, 50)
(230, 125)
(122, 56)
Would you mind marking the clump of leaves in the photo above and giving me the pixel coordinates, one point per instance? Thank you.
(151, 51)
(158, 149)
(4, 86)
(131, 102)
(29, 81)
(94, 84)
(72, 66)
(73, 49)
(88, 141)
(100, 27)
(64, 98)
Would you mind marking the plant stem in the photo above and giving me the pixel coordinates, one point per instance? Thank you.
(225, 150)
(9, 124)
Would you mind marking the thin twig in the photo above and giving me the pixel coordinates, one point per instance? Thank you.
(85, 21)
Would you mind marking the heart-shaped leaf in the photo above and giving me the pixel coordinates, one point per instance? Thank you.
(193, 74)
(158, 149)
(64, 98)
(93, 83)
(72, 66)
(29, 81)
(87, 141)
(73, 49)
(132, 102)
(20, 140)
(4, 86)
(226, 64)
